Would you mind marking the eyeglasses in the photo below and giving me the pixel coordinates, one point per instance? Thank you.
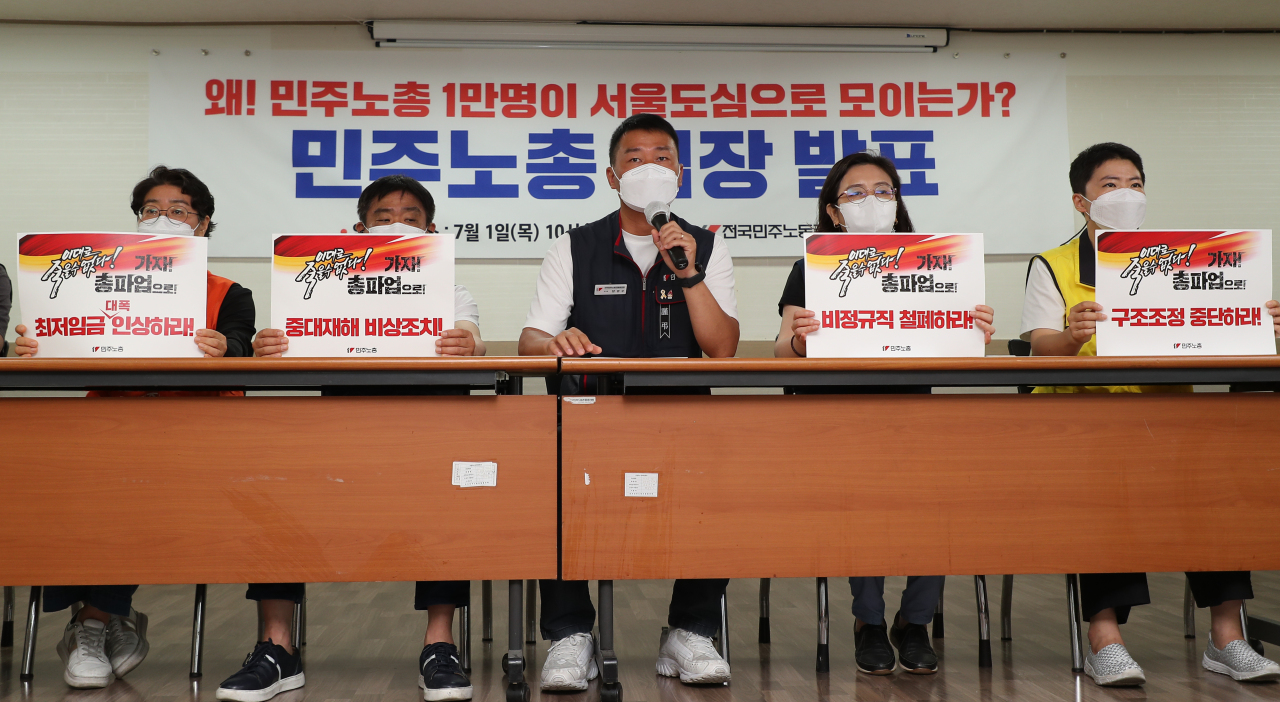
(858, 194)
(177, 213)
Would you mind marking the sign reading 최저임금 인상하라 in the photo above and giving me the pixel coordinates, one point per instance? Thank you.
(88, 294)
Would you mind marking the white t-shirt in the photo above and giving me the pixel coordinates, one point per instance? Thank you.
(553, 299)
(465, 308)
(1043, 307)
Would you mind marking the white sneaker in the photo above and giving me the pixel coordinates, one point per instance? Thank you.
(571, 663)
(1240, 661)
(83, 649)
(691, 657)
(1112, 666)
(127, 642)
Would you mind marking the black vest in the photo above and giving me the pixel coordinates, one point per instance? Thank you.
(651, 318)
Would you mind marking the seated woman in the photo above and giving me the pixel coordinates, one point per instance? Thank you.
(1059, 318)
(107, 638)
(860, 195)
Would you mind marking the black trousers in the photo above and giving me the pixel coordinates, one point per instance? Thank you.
(567, 608)
(426, 593)
(1124, 591)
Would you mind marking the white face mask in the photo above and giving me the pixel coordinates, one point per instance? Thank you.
(1123, 208)
(872, 216)
(648, 183)
(164, 225)
(396, 228)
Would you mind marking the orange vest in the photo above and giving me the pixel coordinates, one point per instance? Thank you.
(218, 287)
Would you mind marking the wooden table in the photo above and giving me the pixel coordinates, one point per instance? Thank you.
(770, 486)
(213, 489)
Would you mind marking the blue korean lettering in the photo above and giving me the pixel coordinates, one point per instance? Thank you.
(685, 146)
(915, 164)
(560, 148)
(326, 156)
(820, 150)
(735, 184)
(404, 144)
(484, 187)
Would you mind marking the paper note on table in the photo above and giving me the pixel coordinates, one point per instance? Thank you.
(640, 485)
(472, 474)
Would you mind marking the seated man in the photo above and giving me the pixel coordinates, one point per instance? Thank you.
(391, 204)
(1059, 318)
(654, 310)
(107, 638)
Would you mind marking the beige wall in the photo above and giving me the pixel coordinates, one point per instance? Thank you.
(1204, 110)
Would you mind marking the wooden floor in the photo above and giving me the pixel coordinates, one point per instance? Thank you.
(364, 640)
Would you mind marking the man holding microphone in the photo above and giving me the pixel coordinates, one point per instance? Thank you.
(617, 287)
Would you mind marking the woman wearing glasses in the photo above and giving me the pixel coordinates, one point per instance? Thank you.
(106, 637)
(860, 196)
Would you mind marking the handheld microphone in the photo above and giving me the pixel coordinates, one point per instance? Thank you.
(658, 214)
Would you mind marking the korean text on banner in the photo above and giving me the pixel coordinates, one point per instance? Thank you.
(89, 294)
(1184, 292)
(513, 144)
(343, 295)
(894, 295)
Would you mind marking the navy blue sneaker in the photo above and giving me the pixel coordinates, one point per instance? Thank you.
(440, 674)
(268, 671)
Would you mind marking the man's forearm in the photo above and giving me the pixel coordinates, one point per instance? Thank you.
(716, 332)
(1054, 344)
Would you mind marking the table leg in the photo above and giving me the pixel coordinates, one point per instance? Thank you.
(1073, 615)
(33, 625)
(486, 610)
(606, 659)
(517, 687)
(984, 621)
(197, 631)
(764, 610)
(1006, 609)
(824, 627)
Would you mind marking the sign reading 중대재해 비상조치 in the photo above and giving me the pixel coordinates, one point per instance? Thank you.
(1184, 292)
(362, 294)
(89, 294)
(894, 295)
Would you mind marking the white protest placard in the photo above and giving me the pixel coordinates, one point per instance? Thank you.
(894, 295)
(341, 295)
(1187, 292)
(88, 294)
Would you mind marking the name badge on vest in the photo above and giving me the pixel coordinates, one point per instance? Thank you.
(620, 289)
(664, 322)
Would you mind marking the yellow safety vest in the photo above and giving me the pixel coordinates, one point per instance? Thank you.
(1076, 284)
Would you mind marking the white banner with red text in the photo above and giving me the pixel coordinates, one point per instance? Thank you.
(90, 294)
(341, 295)
(894, 295)
(512, 143)
(1184, 293)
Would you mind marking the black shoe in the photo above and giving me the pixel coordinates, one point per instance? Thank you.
(267, 672)
(871, 650)
(915, 652)
(441, 676)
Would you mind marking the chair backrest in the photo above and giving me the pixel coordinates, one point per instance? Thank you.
(1018, 347)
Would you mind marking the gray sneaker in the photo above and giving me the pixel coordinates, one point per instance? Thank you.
(1240, 661)
(1113, 666)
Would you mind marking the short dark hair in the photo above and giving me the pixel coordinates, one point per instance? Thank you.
(642, 122)
(182, 179)
(1087, 162)
(391, 184)
(830, 192)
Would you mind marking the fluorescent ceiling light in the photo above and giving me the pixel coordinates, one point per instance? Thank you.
(572, 35)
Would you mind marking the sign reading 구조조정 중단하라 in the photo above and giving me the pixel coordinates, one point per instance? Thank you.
(512, 143)
(1184, 292)
(894, 295)
(343, 295)
(90, 294)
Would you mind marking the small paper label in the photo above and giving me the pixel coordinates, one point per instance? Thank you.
(475, 474)
(640, 485)
(587, 477)
(580, 400)
(620, 289)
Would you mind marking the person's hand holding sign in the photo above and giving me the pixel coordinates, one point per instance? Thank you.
(1273, 309)
(211, 343)
(1082, 321)
(270, 343)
